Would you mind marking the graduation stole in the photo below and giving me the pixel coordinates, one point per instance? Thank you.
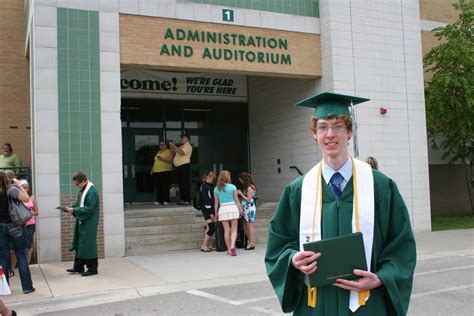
(362, 218)
(86, 189)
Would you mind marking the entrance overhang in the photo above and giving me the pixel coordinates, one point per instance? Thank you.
(179, 45)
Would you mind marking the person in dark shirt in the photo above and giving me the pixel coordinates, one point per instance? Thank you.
(11, 232)
(207, 207)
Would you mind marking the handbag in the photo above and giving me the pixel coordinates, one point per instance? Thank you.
(241, 240)
(220, 241)
(4, 287)
(19, 214)
(197, 201)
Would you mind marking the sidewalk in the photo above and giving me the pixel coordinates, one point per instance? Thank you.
(140, 276)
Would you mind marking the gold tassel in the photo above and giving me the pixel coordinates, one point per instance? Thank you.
(363, 297)
(312, 296)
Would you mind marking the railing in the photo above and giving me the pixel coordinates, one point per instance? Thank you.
(297, 170)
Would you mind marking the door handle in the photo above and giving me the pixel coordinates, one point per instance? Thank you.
(133, 171)
(221, 166)
(125, 171)
(214, 167)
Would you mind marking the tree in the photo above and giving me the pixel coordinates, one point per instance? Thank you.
(450, 93)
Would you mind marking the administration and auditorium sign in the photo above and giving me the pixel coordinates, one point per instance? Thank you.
(197, 46)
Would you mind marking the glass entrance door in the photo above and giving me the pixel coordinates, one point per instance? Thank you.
(219, 136)
(139, 153)
(233, 152)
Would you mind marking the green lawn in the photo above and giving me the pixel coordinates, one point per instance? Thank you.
(452, 222)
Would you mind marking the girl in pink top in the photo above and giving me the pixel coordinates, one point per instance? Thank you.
(30, 228)
(31, 224)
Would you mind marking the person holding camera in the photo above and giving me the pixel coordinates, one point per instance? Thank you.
(161, 173)
(10, 233)
(182, 162)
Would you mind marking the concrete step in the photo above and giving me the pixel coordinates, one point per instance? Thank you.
(151, 230)
(177, 236)
(164, 238)
(131, 250)
(178, 227)
(171, 212)
(149, 218)
(186, 243)
(176, 220)
(163, 229)
(162, 220)
(265, 210)
(153, 211)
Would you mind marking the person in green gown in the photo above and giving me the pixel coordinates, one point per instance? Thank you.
(330, 196)
(86, 211)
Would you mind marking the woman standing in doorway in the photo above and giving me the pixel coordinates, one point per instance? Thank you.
(248, 205)
(228, 209)
(161, 173)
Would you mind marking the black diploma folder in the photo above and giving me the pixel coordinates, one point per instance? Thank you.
(339, 257)
(61, 208)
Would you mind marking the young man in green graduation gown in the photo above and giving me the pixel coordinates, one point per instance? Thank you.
(86, 212)
(341, 195)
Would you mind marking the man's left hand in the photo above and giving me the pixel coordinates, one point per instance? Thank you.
(69, 210)
(367, 281)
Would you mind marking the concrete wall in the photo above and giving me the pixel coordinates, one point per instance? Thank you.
(184, 10)
(279, 130)
(45, 108)
(373, 49)
(369, 49)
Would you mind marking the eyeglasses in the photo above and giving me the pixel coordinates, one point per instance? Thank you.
(337, 128)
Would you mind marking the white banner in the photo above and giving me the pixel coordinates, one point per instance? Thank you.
(151, 84)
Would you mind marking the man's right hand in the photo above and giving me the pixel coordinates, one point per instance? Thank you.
(305, 261)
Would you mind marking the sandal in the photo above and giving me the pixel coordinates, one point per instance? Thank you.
(206, 250)
(252, 247)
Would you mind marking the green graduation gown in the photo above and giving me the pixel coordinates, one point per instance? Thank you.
(393, 254)
(84, 240)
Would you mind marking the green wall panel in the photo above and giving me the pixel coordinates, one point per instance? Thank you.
(79, 97)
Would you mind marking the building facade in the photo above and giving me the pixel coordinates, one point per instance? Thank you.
(95, 85)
